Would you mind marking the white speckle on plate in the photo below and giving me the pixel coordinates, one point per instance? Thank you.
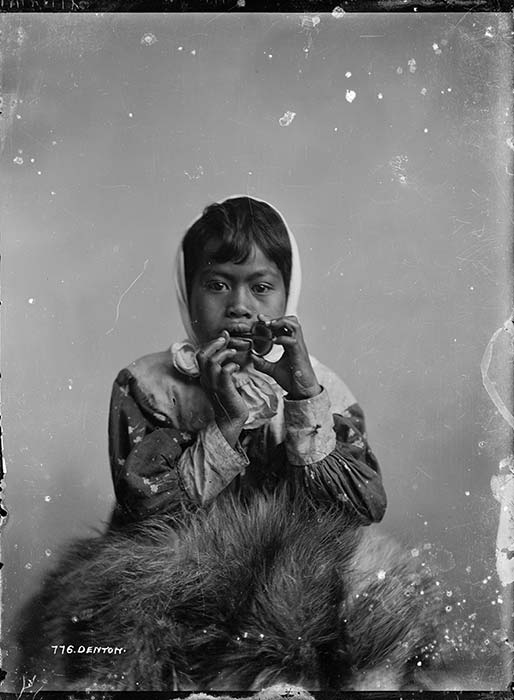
(193, 52)
(380, 96)
(489, 32)
(425, 131)
(338, 12)
(348, 74)
(399, 70)
(467, 493)
(180, 48)
(31, 300)
(381, 574)
(437, 49)
(309, 22)
(18, 160)
(28, 566)
(32, 160)
(48, 499)
(423, 91)
(131, 114)
(148, 39)
(350, 95)
(52, 193)
(39, 172)
(287, 118)
(18, 116)
(196, 175)
(412, 65)
(48, 552)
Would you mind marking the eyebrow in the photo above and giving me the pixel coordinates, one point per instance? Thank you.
(263, 272)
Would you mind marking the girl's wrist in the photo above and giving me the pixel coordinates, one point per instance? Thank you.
(308, 393)
(230, 429)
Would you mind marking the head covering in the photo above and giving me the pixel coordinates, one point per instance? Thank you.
(259, 391)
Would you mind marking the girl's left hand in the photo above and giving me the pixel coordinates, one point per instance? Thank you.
(293, 371)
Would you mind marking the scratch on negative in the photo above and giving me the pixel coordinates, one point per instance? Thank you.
(121, 297)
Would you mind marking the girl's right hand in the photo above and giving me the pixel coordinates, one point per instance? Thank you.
(216, 370)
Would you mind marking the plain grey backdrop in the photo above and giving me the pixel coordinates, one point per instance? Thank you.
(393, 170)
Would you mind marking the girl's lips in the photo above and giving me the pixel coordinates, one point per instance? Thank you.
(240, 332)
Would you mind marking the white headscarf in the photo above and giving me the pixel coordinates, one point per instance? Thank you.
(259, 391)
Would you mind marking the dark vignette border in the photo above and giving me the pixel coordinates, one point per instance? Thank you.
(244, 7)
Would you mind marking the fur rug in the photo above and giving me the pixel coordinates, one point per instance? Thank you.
(238, 598)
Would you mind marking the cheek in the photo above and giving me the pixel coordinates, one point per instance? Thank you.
(277, 305)
(204, 311)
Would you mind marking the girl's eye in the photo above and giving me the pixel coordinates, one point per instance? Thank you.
(216, 286)
(262, 288)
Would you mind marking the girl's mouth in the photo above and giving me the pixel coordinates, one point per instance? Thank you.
(246, 335)
(259, 337)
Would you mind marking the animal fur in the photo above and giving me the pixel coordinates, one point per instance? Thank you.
(238, 598)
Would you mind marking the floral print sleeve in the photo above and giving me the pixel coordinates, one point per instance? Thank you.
(157, 468)
(143, 452)
(348, 472)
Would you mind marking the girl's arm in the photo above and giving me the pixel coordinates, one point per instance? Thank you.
(158, 469)
(324, 427)
(330, 454)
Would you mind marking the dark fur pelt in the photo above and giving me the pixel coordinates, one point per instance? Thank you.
(238, 598)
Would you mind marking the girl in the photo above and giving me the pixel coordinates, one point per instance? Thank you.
(218, 571)
(210, 415)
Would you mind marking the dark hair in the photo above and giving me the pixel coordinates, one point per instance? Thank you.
(236, 225)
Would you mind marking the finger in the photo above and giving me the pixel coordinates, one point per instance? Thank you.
(263, 365)
(226, 379)
(209, 375)
(239, 343)
(222, 355)
(228, 370)
(213, 346)
(285, 341)
(287, 325)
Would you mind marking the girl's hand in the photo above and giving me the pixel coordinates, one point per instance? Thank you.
(216, 370)
(293, 371)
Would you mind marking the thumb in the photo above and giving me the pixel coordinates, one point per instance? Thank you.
(264, 366)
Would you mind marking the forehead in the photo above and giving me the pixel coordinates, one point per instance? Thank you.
(256, 262)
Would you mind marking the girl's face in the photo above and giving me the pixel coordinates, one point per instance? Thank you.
(229, 296)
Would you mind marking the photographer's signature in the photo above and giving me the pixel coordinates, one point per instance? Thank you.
(83, 649)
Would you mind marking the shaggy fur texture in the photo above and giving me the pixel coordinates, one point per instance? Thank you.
(238, 598)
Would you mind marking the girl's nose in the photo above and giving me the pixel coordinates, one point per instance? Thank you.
(239, 304)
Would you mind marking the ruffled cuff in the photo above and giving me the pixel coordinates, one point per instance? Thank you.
(209, 466)
(310, 436)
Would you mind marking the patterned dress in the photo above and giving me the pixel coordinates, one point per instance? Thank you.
(168, 456)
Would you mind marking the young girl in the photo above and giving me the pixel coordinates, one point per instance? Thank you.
(218, 571)
(209, 415)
